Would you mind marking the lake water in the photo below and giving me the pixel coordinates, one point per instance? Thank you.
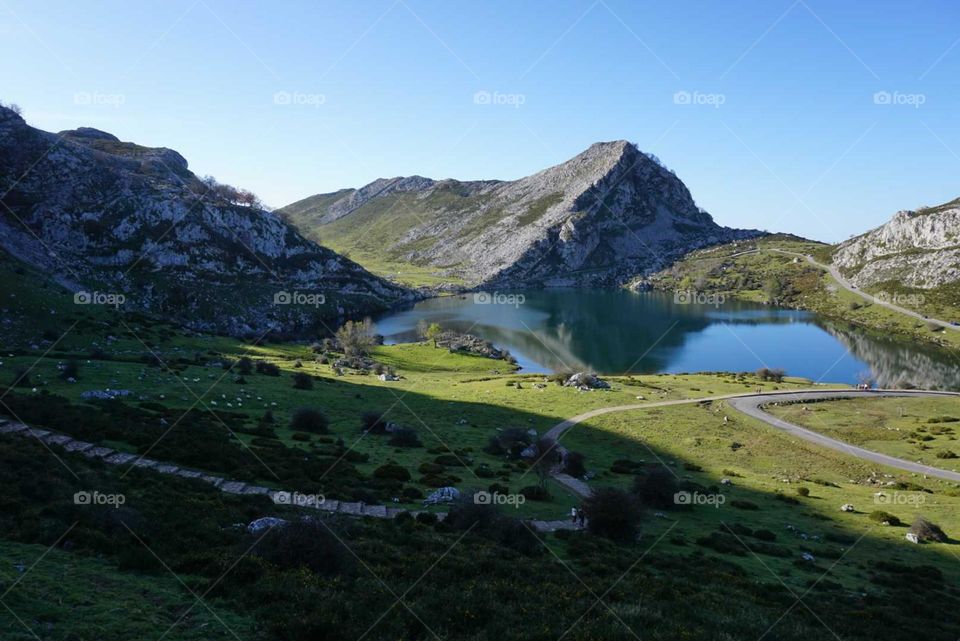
(615, 332)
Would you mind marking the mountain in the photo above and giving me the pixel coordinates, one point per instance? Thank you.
(118, 218)
(919, 249)
(599, 219)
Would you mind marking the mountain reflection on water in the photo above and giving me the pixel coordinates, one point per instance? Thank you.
(617, 331)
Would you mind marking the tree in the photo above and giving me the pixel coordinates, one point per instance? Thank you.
(546, 460)
(773, 289)
(356, 338)
(612, 513)
(429, 331)
(309, 419)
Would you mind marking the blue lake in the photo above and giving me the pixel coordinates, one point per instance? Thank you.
(616, 331)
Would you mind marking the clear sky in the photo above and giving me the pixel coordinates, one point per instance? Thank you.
(768, 110)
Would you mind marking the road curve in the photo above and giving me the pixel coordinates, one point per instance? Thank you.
(843, 282)
(752, 405)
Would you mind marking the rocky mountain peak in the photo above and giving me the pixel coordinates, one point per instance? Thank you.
(100, 213)
(599, 218)
(918, 248)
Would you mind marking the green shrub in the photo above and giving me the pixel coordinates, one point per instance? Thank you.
(656, 488)
(803, 491)
(613, 513)
(404, 437)
(392, 471)
(535, 493)
(743, 504)
(302, 380)
(308, 419)
(927, 531)
(879, 516)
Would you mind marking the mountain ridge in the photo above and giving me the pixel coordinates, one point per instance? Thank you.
(597, 219)
(97, 212)
(917, 248)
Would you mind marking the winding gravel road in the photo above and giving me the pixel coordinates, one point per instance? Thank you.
(843, 282)
(752, 405)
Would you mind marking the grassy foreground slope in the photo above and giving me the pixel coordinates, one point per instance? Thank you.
(698, 573)
(756, 271)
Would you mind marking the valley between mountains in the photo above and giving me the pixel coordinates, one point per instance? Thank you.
(226, 421)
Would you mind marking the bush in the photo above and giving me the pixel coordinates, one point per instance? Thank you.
(450, 460)
(427, 518)
(267, 369)
(766, 374)
(305, 544)
(405, 437)
(510, 442)
(612, 513)
(927, 531)
(764, 535)
(430, 468)
(498, 488)
(744, 504)
(412, 493)
(392, 471)
(803, 491)
(308, 419)
(21, 378)
(373, 422)
(70, 369)
(656, 489)
(245, 366)
(879, 516)
(626, 466)
(946, 454)
(302, 380)
(535, 493)
(573, 464)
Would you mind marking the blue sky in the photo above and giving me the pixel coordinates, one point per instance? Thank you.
(765, 109)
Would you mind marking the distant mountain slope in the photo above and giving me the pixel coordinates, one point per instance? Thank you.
(918, 249)
(96, 212)
(604, 216)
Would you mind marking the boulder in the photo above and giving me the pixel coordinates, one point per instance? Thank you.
(582, 380)
(442, 495)
(847, 507)
(264, 523)
(913, 538)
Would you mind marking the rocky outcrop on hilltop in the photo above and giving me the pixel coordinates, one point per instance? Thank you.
(599, 219)
(101, 214)
(916, 248)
